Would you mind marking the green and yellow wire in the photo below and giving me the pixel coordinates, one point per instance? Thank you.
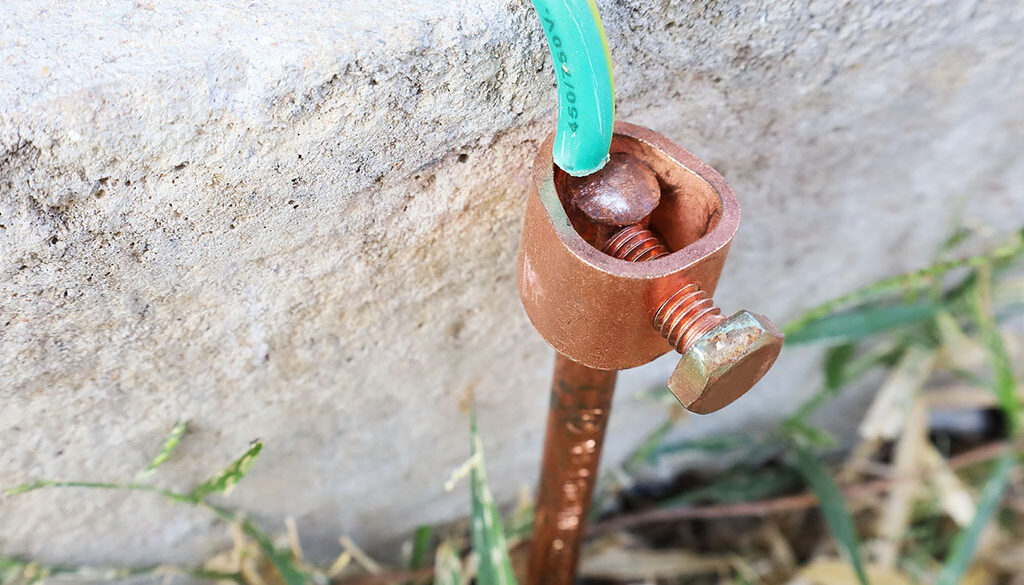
(583, 67)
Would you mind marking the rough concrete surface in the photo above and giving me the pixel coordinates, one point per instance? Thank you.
(297, 221)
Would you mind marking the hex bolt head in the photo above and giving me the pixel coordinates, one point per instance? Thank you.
(722, 357)
(725, 362)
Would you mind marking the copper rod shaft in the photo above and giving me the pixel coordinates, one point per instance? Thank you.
(581, 400)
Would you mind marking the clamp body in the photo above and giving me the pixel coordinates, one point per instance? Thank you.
(594, 308)
(614, 269)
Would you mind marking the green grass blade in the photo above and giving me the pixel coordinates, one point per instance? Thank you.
(833, 508)
(966, 541)
(716, 444)
(46, 483)
(17, 572)
(837, 358)
(448, 567)
(644, 454)
(802, 432)
(1004, 384)
(1008, 298)
(132, 487)
(910, 282)
(883, 355)
(520, 523)
(955, 238)
(280, 558)
(11, 571)
(420, 544)
(27, 574)
(220, 483)
(860, 322)
(488, 535)
(169, 445)
(743, 484)
(228, 478)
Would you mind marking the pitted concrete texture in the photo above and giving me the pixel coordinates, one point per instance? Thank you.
(297, 221)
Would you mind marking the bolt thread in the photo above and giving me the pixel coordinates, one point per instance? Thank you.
(686, 314)
(635, 244)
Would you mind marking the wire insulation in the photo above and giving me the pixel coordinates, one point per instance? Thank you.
(583, 68)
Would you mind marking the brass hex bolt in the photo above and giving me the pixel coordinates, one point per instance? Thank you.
(723, 357)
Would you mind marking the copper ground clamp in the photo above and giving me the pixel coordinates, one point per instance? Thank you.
(614, 270)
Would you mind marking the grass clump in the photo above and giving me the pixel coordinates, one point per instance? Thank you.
(913, 502)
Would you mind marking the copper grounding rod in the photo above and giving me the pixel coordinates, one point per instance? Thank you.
(581, 400)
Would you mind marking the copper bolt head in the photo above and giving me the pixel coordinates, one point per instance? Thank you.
(721, 365)
(622, 193)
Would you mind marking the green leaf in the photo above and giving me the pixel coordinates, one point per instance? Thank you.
(832, 507)
(910, 282)
(169, 445)
(717, 444)
(488, 535)
(962, 553)
(225, 481)
(803, 433)
(420, 543)
(10, 570)
(520, 523)
(836, 360)
(132, 487)
(645, 452)
(22, 573)
(1004, 384)
(221, 483)
(27, 487)
(886, 354)
(957, 237)
(281, 559)
(860, 322)
(448, 567)
(742, 484)
(1008, 298)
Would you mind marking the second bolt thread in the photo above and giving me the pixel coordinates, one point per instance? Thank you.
(686, 314)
